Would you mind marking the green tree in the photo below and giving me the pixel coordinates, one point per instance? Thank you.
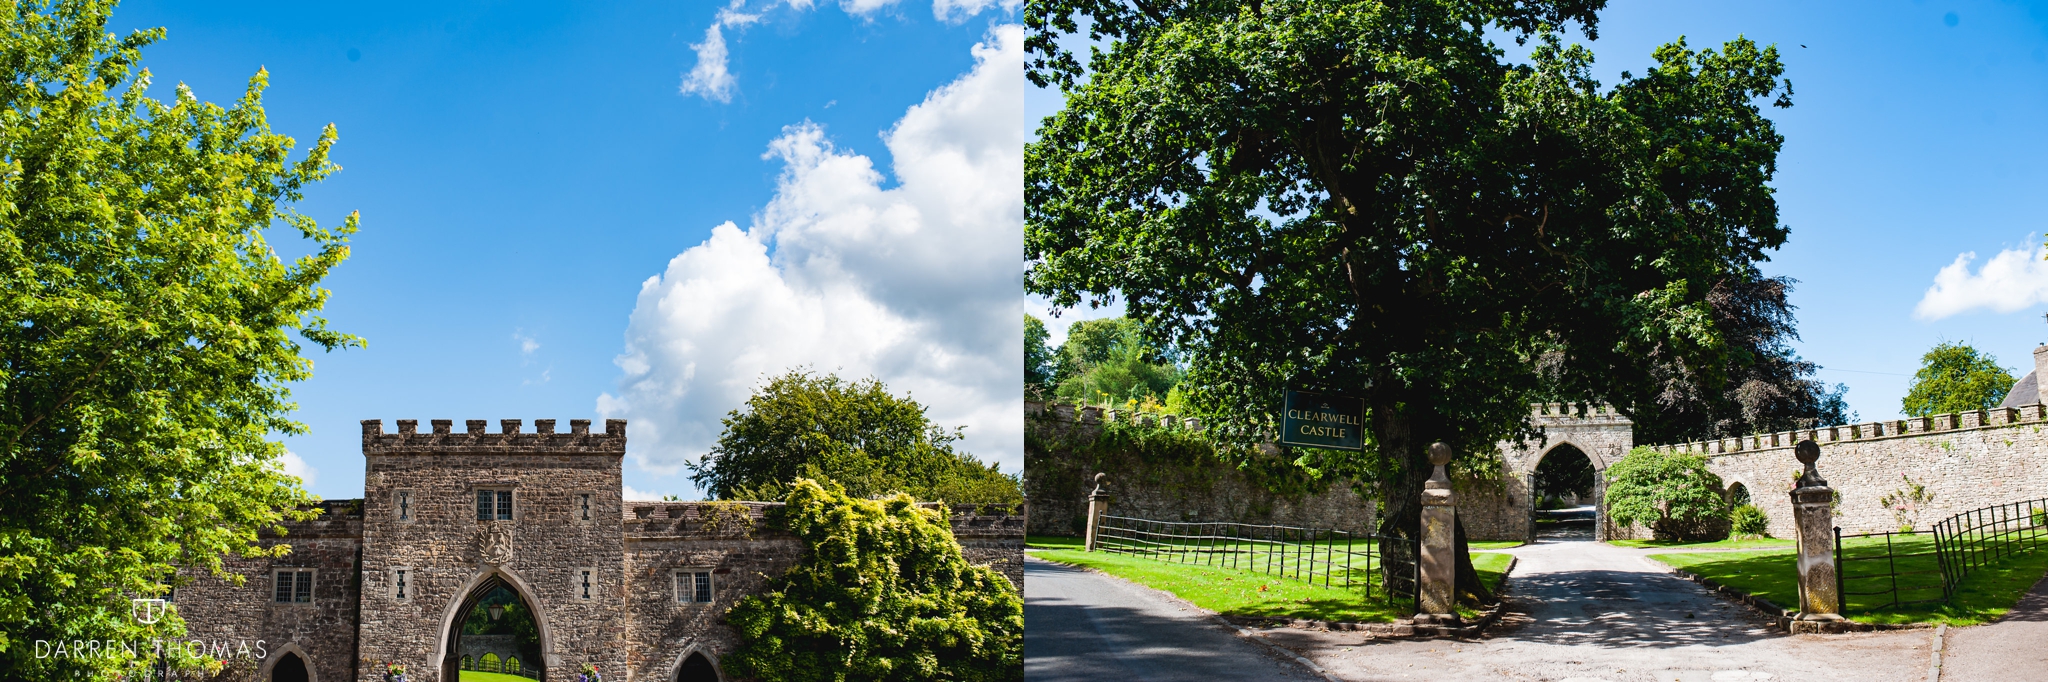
(1955, 377)
(1671, 493)
(1038, 357)
(1108, 360)
(881, 593)
(853, 434)
(1370, 196)
(145, 327)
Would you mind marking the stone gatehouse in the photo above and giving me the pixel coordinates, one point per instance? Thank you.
(636, 588)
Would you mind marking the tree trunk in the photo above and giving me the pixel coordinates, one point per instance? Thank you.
(1397, 439)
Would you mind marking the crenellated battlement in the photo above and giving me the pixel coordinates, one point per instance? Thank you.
(1559, 414)
(1997, 417)
(509, 438)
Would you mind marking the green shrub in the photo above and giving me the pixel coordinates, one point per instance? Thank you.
(1748, 521)
(881, 593)
(1672, 493)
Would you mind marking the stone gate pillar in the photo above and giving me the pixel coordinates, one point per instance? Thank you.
(1098, 504)
(1438, 598)
(1813, 518)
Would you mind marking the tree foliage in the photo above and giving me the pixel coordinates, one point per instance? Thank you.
(1038, 357)
(881, 593)
(1109, 361)
(1671, 493)
(1955, 377)
(854, 434)
(1370, 196)
(145, 330)
(1765, 386)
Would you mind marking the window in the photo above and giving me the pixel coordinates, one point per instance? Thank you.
(486, 510)
(293, 586)
(583, 506)
(584, 581)
(693, 586)
(401, 583)
(405, 505)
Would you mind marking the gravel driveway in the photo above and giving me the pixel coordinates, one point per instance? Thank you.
(1584, 611)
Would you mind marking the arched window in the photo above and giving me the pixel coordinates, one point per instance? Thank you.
(512, 665)
(1737, 495)
(490, 663)
(468, 663)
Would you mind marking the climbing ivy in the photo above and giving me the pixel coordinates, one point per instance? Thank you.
(881, 593)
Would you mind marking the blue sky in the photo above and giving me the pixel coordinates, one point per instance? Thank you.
(524, 169)
(1916, 137)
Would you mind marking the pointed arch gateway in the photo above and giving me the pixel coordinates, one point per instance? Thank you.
(480, 586)
(1569, 473)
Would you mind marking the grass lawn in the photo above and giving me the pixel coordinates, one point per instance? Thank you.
(479, 676)
(1246, 593)
(1494, 544)
(1749, 543)
(1051, 542)
(1985, 595)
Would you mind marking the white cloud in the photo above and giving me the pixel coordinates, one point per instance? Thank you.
(710, 77)
(293, 465)
(631, 494)
(960, 10)
(527, 345)
(918, 284)
(2012, 280)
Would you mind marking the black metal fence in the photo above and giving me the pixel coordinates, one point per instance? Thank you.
(1975, 538)
(1887, 570)
(1383, 566)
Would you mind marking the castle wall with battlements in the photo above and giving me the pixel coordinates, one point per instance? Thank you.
(1967, 460)
(419, 515)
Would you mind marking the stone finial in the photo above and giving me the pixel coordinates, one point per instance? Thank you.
(545, 427)
(373, 427)
(442, 426)
(510, 426)
(476, 426)
(1101, 487)
(408, 426)
(579, 427)
(614, 427)
(1439, 455)
(1808, 452)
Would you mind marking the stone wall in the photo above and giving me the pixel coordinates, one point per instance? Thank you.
(1058, 478)
(664, 537)
(1967, 460)
(419, 515)
(442, 546)
(322, 632)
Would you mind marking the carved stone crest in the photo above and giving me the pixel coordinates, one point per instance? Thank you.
(494, 544)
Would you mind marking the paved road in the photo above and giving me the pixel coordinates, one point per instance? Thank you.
(2014, 648)
(1087, 627)
(1583, 611)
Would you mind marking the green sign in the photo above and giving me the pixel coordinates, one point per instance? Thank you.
(1320, 420)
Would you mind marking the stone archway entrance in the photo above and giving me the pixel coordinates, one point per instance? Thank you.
(290, 668)
(1564, 495)
(697, 668)
(496, 630)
